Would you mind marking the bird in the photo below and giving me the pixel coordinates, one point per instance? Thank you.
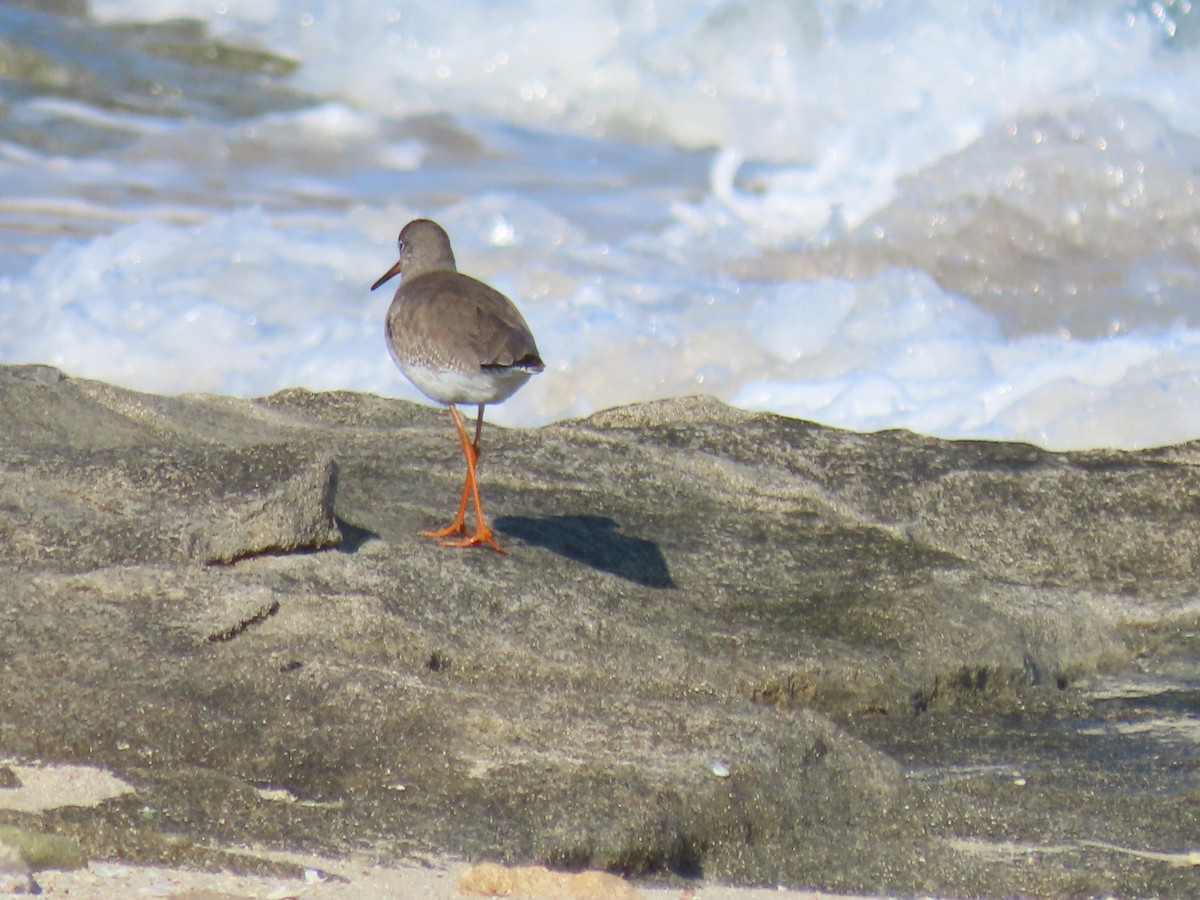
(458, 341)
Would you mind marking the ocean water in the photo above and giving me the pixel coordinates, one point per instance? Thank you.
(971, 219)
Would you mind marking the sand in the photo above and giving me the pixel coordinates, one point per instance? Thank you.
(339, 879)
(37, 788)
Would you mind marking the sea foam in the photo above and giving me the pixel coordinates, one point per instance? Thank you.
(970, 219)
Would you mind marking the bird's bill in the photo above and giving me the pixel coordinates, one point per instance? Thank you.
(388, 275)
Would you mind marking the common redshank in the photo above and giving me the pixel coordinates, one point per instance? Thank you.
(459, 341)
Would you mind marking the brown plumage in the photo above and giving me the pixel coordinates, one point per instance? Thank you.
(458, 341)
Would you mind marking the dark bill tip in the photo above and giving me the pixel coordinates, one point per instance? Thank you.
(388, 275)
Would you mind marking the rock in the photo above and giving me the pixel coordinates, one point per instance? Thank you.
(296, 515)
(725, 645)
(112, 482)
(33, 852)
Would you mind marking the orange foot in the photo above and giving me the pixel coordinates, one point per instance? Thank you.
(458, 532)
(454, 528)
(483, 536)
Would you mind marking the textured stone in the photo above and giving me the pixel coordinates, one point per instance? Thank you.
(296, 515)
(725, 644)
(36, 851)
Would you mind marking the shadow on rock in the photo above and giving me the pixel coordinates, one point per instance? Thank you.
(353, 536)
(594, 541)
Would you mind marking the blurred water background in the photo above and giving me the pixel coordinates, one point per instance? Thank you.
(965, 218)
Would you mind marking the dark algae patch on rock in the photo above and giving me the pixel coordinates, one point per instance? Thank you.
(725, 645)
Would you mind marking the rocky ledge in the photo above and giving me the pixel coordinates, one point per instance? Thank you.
(725, 645)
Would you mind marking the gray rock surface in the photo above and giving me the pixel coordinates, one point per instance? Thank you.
(724, 644)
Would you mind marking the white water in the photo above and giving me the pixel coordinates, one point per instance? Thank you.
(965, 218)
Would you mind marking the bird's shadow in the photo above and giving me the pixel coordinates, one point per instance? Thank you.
(596, 542)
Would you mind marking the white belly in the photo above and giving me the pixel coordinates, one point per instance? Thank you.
(485, 386)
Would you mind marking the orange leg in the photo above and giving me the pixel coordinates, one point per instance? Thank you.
(483, 534)
(458, 527)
